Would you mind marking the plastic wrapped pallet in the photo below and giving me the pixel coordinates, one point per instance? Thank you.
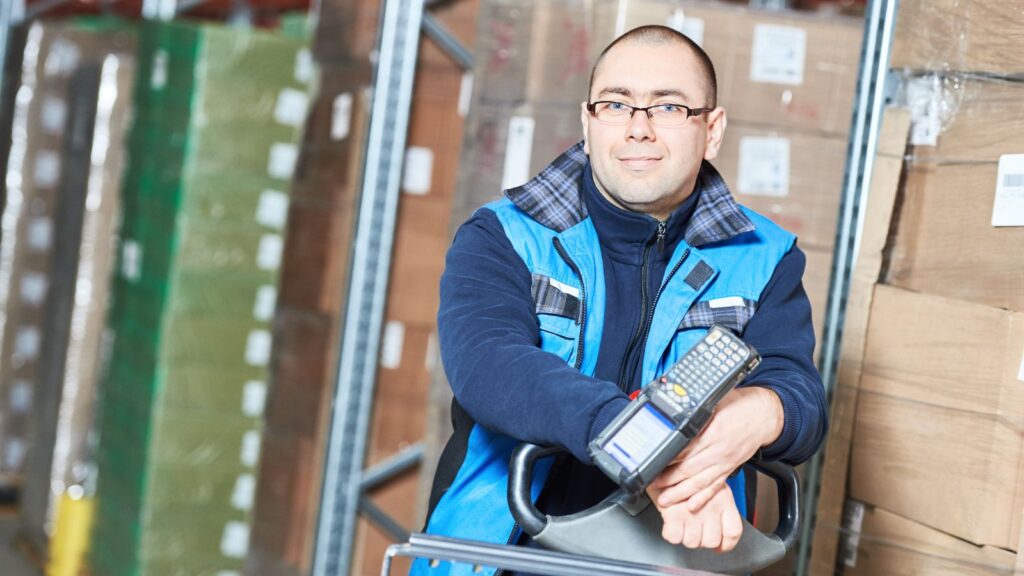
(38, 182)
(214, 147)
(98, 102)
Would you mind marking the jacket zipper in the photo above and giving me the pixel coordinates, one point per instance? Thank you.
(661, 236)
(650, 312)
(623, 383)
(582, 321)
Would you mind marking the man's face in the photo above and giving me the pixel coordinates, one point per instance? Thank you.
(638, 166)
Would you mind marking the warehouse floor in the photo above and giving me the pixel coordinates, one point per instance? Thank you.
(12, 561)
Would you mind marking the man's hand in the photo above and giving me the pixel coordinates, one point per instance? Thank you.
(745, 420)
(716, 525)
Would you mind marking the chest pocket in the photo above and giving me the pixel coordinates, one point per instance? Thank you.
(734, 313)
(558, 311)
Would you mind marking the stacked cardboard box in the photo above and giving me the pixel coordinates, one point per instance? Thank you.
(79, 277)
(325, 192)
(936, 431)
(43, 186)
(206, 200)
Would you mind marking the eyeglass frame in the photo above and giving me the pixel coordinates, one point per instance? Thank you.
(690, 112)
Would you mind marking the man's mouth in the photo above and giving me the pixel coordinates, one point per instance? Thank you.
(639, 162)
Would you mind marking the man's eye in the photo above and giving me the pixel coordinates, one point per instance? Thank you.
(669, 108)
(617, 106)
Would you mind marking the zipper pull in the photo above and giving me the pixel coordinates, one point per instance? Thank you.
(661, 237)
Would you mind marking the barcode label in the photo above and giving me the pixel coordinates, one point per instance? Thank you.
(1008, 207)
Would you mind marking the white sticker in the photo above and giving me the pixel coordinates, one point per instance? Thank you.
(465, 94)
(131, 260)
(272, 210)
(282, 160)
(26, 342)
(692, 28)
(292, 106)
(431, 359)
(14, 453)
(268, 256)
(266, 303)
(254, 398)
(853, 522)
(418, 170)
(777, 55)
(47, 169)
(40, 234)
(1008, 209)
(63, 57)
(244, 492)
(564, 288)
(52, 115)
(21, 397)
(234, 543)
(518, 149)
(764, 166)
(1020, 372)
(33, 287)
(341, 116)
(158, 79)
(250, 452)
(304, 66)
(392, 344)
(257, 348)
(924, 98)
(727, 302)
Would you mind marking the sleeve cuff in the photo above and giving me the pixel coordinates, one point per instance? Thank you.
(791, 424)
(602, 419)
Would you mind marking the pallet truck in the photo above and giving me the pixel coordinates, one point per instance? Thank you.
(621, 535)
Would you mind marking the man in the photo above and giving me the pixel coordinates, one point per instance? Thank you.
(592, 279)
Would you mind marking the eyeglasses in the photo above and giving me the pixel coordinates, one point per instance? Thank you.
(667, 115)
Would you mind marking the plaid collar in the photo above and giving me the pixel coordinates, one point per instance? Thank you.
(554, 198)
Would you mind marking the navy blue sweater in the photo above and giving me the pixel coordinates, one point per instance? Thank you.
(489, 344)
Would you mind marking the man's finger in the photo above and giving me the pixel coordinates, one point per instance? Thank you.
(700, 499)
(711, 536)
(672, 531)
(732, 529)
(687, 488)
(692, 534)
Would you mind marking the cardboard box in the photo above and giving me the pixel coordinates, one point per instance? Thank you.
(315, 266)
(945, 243)
(957, 119)
(817, 282)
(892, 144)
(507, 145)
(767, 171)
(794, 70)
(880, 542)
(421, 240)
(937, 436)
(959, 36)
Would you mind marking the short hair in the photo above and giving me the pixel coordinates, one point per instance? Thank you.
(655, 34)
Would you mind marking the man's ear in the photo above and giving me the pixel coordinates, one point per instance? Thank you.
(585, 124)
(717, 122)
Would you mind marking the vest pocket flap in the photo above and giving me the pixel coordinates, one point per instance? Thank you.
(733, 313)
(553, 297)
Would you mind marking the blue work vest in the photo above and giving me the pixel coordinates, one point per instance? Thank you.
(719, 283)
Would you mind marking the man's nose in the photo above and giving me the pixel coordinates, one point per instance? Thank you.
(640, 126)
